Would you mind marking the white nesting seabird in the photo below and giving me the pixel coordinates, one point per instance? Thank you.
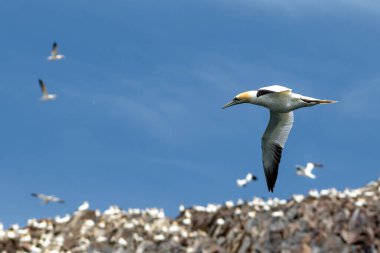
(45, 94)
(244, 181)
(307, 171)
(54, 56)
(281, 102)
(85, 206)
(47, 198)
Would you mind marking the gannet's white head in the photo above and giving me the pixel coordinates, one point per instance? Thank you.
(245, 97)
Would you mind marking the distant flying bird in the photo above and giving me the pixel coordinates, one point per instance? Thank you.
(244, 181)
(281, 101)
(307, 171)
(54, 56)
(47, 198)
(45, 95)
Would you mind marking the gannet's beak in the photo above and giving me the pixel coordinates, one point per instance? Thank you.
(235, 101)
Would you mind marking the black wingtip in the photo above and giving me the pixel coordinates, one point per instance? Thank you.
(270, 185)
(318, 165)
(271, 170)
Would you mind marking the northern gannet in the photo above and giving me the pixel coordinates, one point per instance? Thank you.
(281, 101)
(54, 56)
(47, 198)
(248, 178)
(45, 95)
(220, 221)
(85, 206)
(307, 171)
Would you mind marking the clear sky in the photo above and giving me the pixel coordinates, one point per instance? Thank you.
(138, 121)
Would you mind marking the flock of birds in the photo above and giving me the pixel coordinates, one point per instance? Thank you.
(281, 102)
(46, 96)
(305, 171)
(54, 56)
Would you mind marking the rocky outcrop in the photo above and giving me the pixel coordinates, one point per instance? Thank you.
(325, 221)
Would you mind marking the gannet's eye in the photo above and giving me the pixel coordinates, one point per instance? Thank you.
(236, 99)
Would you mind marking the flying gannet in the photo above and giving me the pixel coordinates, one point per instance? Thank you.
(244, 181)
(47, 198)
(45, 95)
(54, 56)
(281, 101)
(307, 171)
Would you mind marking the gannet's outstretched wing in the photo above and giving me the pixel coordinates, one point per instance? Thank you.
(250, 177)
(309, 167)
(56, 199)
(38, 195)
(272, 143)
(318, 165)
(43, 87)
(54, 50)
(241, 182)
(272, 89)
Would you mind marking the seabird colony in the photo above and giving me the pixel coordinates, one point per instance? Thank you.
(281, 102)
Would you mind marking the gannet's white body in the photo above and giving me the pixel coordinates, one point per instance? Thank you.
(281, 102)
(54, 56)
(47, 198)
(248, 178)
(307, 171)
(45, 95)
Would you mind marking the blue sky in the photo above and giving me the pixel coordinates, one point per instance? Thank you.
(138, 121)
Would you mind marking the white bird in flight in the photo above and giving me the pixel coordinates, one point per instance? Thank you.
(45, 95)
(54, 56)
(47, 198)
(244, 181)
(281, 101)
(307, 171)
